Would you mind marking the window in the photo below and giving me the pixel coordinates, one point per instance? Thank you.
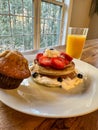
(16, 24)
(31, 24)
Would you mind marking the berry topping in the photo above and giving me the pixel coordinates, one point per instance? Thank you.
(58, 62)
(35, 74)
(80, 76)
(66, 56)
(39, 55)
(59, 79)
(53, 58)
(45, 61)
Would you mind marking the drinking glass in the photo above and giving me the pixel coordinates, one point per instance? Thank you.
(75, 41)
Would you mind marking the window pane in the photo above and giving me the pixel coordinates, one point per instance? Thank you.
(50, 24)
(4, 7)
(28, 25)
(16, 7)
(6, 43)
(49, 10)
(23, 43)
(28, 10)
(4, 25)
(17, 25)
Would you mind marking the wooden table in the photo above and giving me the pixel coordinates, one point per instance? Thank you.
(13, 120)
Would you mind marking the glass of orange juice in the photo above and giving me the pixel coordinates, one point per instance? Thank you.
(75, 41)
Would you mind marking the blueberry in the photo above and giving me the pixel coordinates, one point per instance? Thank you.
(59, 79)
(60, 86)
(80, 76)
(35, 74)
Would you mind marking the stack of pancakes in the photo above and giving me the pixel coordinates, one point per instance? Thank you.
(68, 71)
(52, 77)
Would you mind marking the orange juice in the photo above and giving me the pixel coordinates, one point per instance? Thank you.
(75, 45)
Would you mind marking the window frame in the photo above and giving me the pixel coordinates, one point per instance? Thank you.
(65, 22)
(37, 14)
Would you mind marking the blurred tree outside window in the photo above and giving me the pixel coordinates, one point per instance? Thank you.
(30, 24)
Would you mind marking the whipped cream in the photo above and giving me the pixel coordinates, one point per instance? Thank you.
(51, 53)
(75, 85)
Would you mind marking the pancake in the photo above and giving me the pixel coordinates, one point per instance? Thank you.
(70, 68)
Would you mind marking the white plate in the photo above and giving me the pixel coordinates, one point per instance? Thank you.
(55, 103)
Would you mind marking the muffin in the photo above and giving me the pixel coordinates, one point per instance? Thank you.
(13, 69)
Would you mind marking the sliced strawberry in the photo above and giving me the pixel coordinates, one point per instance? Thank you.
(66, 56)
(58, 62)
(39, 55)
(44, 61)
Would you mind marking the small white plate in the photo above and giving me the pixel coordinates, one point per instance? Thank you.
(41, 101)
